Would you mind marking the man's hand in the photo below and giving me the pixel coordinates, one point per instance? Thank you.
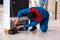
(16, 21)
(20, 26)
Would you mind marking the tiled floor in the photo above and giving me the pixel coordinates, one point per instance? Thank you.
(51, 34)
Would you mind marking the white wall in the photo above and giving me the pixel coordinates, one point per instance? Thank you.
(1, 14)
(58, 6)
(6, 14)
(51, 7)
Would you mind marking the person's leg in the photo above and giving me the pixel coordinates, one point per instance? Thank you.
(33, 28)
(44, 25)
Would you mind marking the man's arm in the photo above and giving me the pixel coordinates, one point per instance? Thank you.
(23, 11)
(31, 24)
(20, 12)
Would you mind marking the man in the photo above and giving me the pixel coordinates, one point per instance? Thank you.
(36, 15)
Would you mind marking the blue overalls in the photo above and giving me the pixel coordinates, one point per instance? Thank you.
(45, 18)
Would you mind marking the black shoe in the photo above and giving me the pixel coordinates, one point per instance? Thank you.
(23, 29)
(33, 28)
(13, 31)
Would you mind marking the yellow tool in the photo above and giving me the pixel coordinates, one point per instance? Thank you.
(6, 30)
(34, 32)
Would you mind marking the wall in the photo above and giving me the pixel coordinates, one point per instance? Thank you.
(1, 14)
(51, 7)
(6, 14)
(58, 6)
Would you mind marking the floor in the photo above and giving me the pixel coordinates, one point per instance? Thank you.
(53, 32)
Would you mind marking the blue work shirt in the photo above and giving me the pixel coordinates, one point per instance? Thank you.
(42, 11)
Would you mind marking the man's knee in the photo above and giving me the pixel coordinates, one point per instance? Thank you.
(43, 29)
